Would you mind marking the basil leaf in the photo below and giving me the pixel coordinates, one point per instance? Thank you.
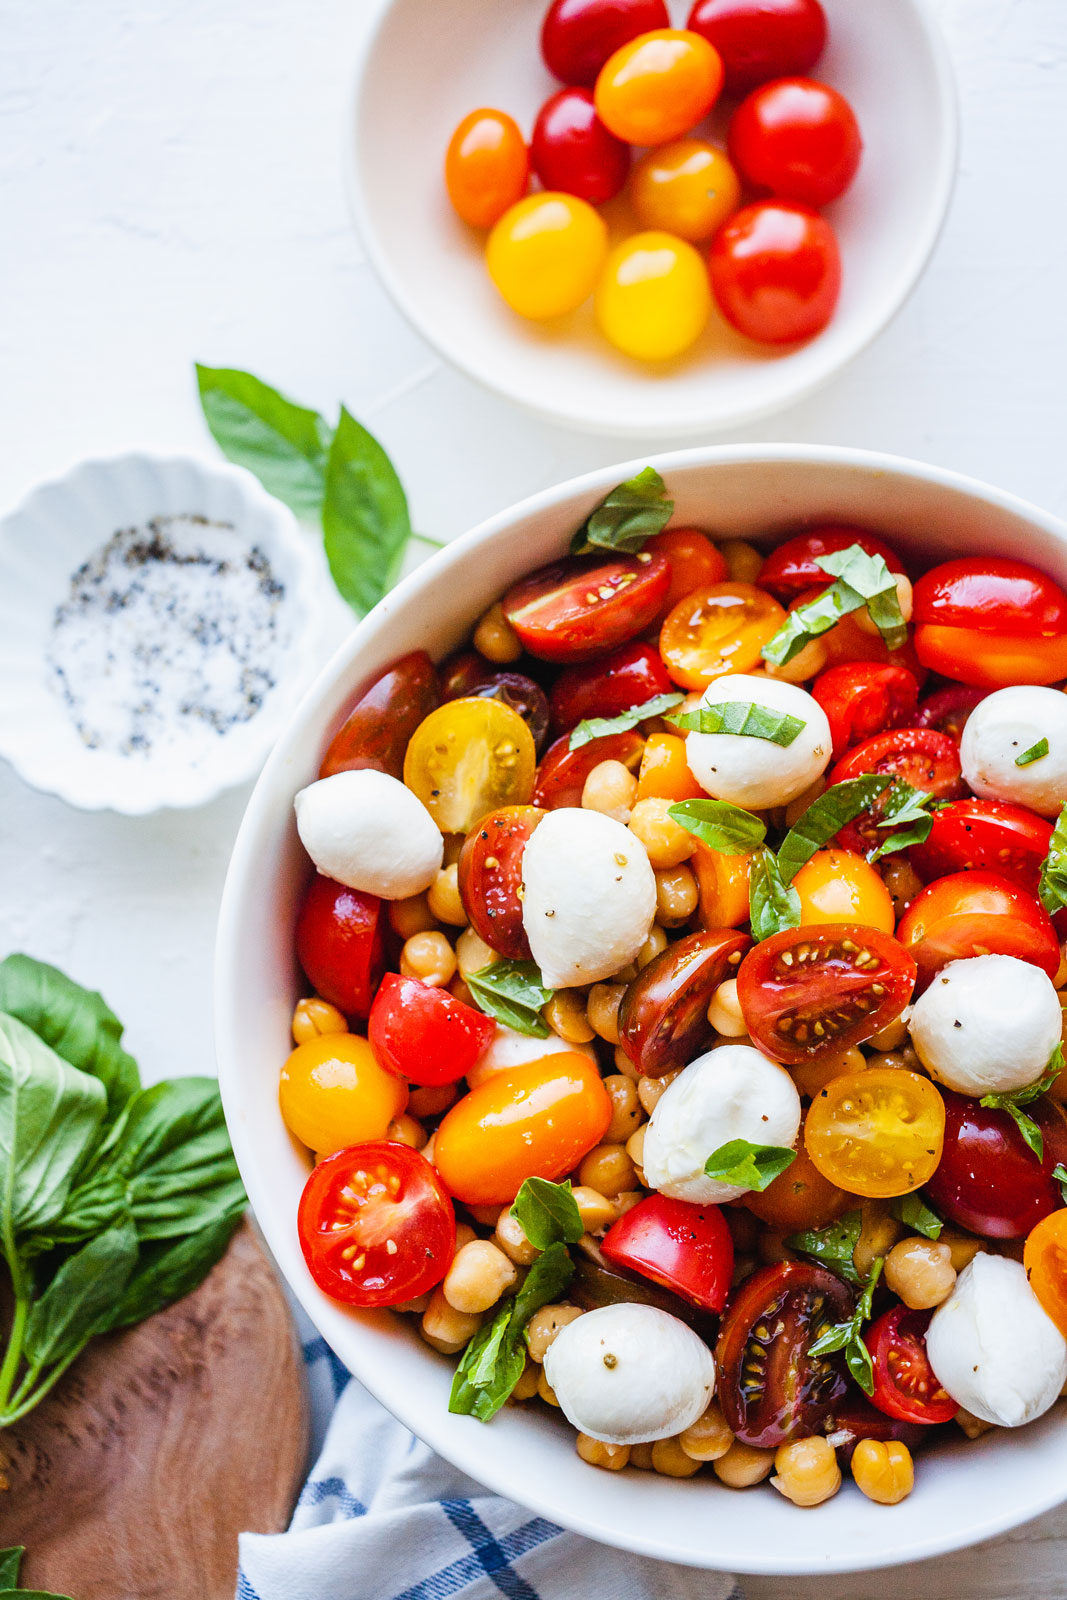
(1013, 1102)
(858, 1361)
(869, 577)
(824, 818)
(513, 992)
(1059, 1172)
(624, 519)
(750, 1166)
(835, 1338)
(1035, 752)
(597, 727)
(81, 1297)
(548, 1213)
(172, 1268)
(863, 1304)
(721, 826)
(10, 1562)
(745, 718)
(906, 811)
(1052, 885)
(773, 905)
(76, 1022)
(493, 1362)
(365, 518)
(284, 444)
(914, 1213)
(833, 1245)
(848, 1336)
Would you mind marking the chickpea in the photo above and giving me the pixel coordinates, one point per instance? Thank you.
(669, 1459)
(902, 1060)
(314, 1017)
(973, 1427)
(676, 896)
(595, 1210)
(565, 1015)
(464, 1234)
(607, 1169)
(612, 1457)
(602, 1009)
(724, 1013)
(807, 662)
(625, 1109)
(796, 808)
(478, 1276)
(743, 560)
(807, 1471)
(611, 789)
(484, 1216)
(655, 945)
(891, 1037)
(442, 898)
(472, 953)
(545, 1390)
(510, 1236)
(709, 1437)
(406, 1130)
(667, 842)
(866, 622)
(414, 1307)
(812, 1076)
(445, 1328)
(902, 881)
(920, 1271)
(495, 638)
(879, 1232)
(651, 1090)
(635, 1146)
(544, 1325)
(883, 1471)
(641, 1457)
(625, 1066)
(627, 1200)
(743, 1465)
(428, 956)
(529, 1379)
(411, 916)
(430, 1099)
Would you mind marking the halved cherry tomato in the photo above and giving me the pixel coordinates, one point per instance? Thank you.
(792, 568)
(425, 1034)
(467, 758)
(722, 884)
(467, 676)
(799, 1198)
(947, 710)
(919, 756)
(587, 605)
(665, 773)
(684, 1247)
(776, 271)
(989, 1180)
(838, 886)
(487, 166)
(376, 731)
(332, 1092)
(861, 699)
(490, 876)
(798, 139)
(994, 594)
(990, 835)
(658, 86)
(976, 914)
(339, 944)
(905, 1384)
(561, 776)
(770, 1386)
(534, 1121)
(571, 150)
(1045, 1260)
(717, 630)
(578, 36)
(663, 1018)
(876, 1133)
(375, 1225)
(811, 991)
(761, 39)
(991, 660)
(696, 563)
(629, 676)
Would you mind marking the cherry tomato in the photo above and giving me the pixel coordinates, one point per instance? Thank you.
(855, 1419)
(792, 568)
(578, 36)
(658, 86)
(696, 563)
(987, 834)
(332, 1093)
(467, 758)
(770, 1386)
(976, 914)
(490, 876)
(425, 1034)
(799, 1198)
(992, 593)
(686, 1248)
(806, 992)
(761, 39)
(468, 678)
(663, 1017)
(688, 188)
(586, 605)
(947, 710)
(776, 272)
(629, 676)
(876, 1133)
(665, 773)
(797, 138)
(861, 698)
(375, 1225)
(717, 630)
(534, 1121)
(839, 886)
(597, 1284)
(849, 641)
(921, 757)
(1045, 1260)
(376, 731)
(573, 152)
(487, 167)
(989, 1180)
(653, 299)
(545, 254)
(991, 660)
(561, 776)
(722, 884)
(905, 1384)
(339, 944)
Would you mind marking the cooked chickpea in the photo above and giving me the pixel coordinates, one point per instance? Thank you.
(653, 946)
(529, 1379)
(635, 1146)
(610, 788)
(480, 1273)
(314, 1017)
(724, 1012)
(866, 622)
(667, 842)
(607, 1169)
(625, 1109)
(545, 1389)
(545, 1324)
(442, 898)
(902, 881)
(920, 1271)
(411, 916)
(671, 1460)
(445, 1328)
(709, 1437)
(626, 1201)
(565, 1015)
(641, 1457)
(430, 1099)
(495, 638)
(595, 1210)
(813, 1076)
(484, 1216)
(962, 1248)
(676, 896)
(891, 1037)
(806, 1471)
(602, 1009)
(743, 1465)
(406, 1130)
(883, 1470)
(807, 663)
(414, 1307)
(651, 1090)
(743, 560)
(796, 808)
(625, 1066)
(428, 956)
(973, 1427)
(510, 1236)
(879, 1232)
(612, 1457)
(472, 953)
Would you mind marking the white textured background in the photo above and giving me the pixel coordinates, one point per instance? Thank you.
(170, 191)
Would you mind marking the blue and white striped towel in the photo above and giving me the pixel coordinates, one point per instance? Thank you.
(383, 1518)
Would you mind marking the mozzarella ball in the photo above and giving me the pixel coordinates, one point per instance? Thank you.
(508, 1049)
(368, 831)
(1002, 727)
(628, 1373)
(757, 773)
(589, 896)
(994, 1348)
(987, 1025)
(732, 1092)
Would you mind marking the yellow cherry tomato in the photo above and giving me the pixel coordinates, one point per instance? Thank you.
(333, 1093)
(840, 886)
(658, 86)
(1045, 1260)
(487, 166)
(470, 757)
(688, 188)
(717, 630)
(876, 1133)
(722, 882)
(654, 297)
(545, 254)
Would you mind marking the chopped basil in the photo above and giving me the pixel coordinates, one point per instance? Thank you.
(914, 1213)
(624, 519)
(833, 1246)
(723, 827)
(1059, 1172)
(1012, 1103)
(548, 1213)
(513, 992)
(1035, 752)
(862, 580)
(824, 818)
(1052, 886)
(773, 905)
(907, 811)
(848, 1336)
(742, 717)
(493, 1362)
(749, 1166)
(597, 727)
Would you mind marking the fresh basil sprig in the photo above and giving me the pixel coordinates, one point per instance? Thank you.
(548, 1213)
(1012, 1103)
(749, 1166)
(833, 1246)
(10, 1563)
(514, 993)
(848, 1336)
(743, 717)
(624, 519)
(722, 826)
(773, 903)
(285, 445)
(1059, 1172)
(862, 580)
(1035, 753)
(914, 1213)
(493, 1361)
(824, 818)
(597, 727)
(1052, 884)
(908, 812)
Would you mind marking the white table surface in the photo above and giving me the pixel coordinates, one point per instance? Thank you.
(170, 191)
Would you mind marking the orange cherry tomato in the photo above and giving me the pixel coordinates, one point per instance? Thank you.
(658, 86)
(800, 1198)
(722, 883)
(333, 1093)
(876, 1133)
(695, 562)
(717, 630)
(839, 886)
(991, 660)
(535, 1121)
(1045, 1260)
(487, 166)
(665, 773)
(688, 188)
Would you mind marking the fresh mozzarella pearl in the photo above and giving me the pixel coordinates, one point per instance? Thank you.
(509, 1049)
(367, 830)
(732, 1092)
(994, 1348)
(987, 1025)
(589, 896)
(626, 1374)
(757, 773)
(1003, 726)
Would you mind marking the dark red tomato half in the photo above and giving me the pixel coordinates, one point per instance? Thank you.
(340, 945)
(377, 729)
(855, 1419)
(976, 914)
(921, 757)
(362, 1201)
(467, 677)
(490, 876)
(947, 710)
(684, 1247)
(663, 1017)
(770, 1388)
(761, 39)
(861, 698)
(423, 1034)
(797, 139)
(586, 605)
(630, 676)
(993, 594)
(776, 271)
(988, 835)
(561, 776)
(851, 982)
(572, 151)
(904, 1382)
(988, 1179)
(578, 36)
(791, 568)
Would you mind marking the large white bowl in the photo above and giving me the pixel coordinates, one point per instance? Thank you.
(965, 1491)
(426, 63)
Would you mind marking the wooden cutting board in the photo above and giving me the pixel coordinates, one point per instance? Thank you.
(161, 1444)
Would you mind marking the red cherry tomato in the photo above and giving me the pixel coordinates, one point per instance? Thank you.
(977, 913)
(490, 876)
(776, 272)
(466, 676)
(376, 731)
(696, 563)
(848, 641)
(425, 1034)
(487, 167)
(793, 567)
(572, 150)
(578, 36)
(561, 776)
(861, 699)
(630, 676)
(761, 39)
(853, 981)
(990, 835)
(991, 660)
(684, 1247)
(947, 710)
(339, 944)
(663, 1017)
(587, 605)
(926, 760)
(988, 1179)
(905, 1385)
(991, 593)
(797, 138)
(375, 1225)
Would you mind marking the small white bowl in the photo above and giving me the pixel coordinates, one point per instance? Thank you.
(964, 1491)
(425, 64)
(42, 544)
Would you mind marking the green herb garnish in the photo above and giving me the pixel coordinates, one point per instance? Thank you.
(833, 1246)
(723, 827)
(1035, 752)
(1059, 1172)
(1052, 884)
(824, 818)
(513, 992)
(493, 1362)
(743, 717)
(848, 1336)
(548, 1213)
(633, 512)
(908, 812)
(749, 1166)
(862, 580)
(773, 904)
(914, 1213)
(1012, 1103)
(598, 727)
(10, 1562)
